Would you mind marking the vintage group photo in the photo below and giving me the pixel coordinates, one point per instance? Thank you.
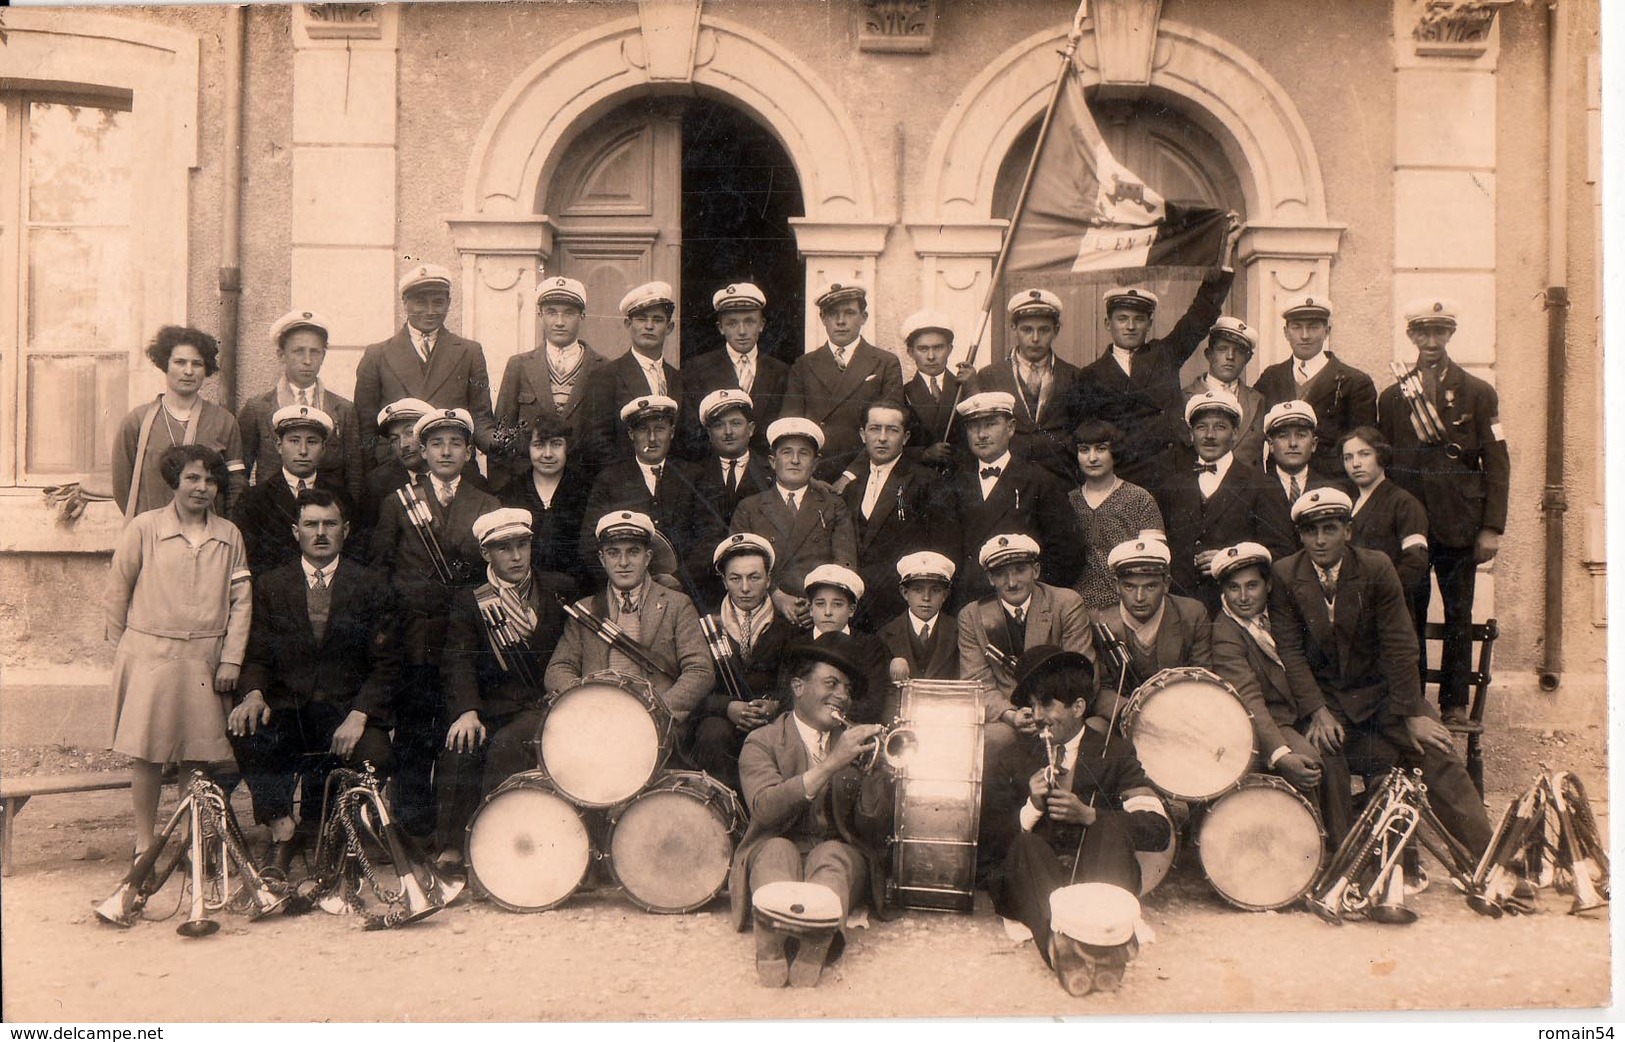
(664, 510)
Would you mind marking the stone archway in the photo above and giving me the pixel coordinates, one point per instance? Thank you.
(1290, 243)
(669, 46)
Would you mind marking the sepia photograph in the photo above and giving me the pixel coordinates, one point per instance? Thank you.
(771, 510)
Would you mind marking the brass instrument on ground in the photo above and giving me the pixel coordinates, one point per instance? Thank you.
(1581, 848)
(1547, 836)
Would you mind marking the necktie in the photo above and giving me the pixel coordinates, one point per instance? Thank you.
(657, 377)
(790, 501)
(840, 358)
(733, 475)
(1328, 586)
(318, 600)
(991, 472)
(821, 749)
(628, 606)
(302, 486)
(936, 388)
(1021, 615)
(1295, 490)
(443, 494)
(747, 373)
(1206, 468)
(304, 399)
(925, 633)
(871, 494)
(654, 473)
(427, 345)
(1303, 374)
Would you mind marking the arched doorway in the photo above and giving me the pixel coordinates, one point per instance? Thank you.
(1176, 157)
(683, 189)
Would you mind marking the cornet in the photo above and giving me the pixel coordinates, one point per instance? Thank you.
(892, 748)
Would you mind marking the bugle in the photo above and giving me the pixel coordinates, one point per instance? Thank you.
(1424, 416)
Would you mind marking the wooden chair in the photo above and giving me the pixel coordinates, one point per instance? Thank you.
(1478, 682)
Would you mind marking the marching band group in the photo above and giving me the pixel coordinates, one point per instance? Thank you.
(777, 550)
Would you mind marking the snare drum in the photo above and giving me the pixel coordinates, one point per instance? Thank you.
(670, 848)
(1191, 732)
(527, 846)
(1261, 846)
(605, 738)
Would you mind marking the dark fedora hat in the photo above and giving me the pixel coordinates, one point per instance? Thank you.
(833, 649)
(1044, 659)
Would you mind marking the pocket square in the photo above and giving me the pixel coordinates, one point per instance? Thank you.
(871, 376)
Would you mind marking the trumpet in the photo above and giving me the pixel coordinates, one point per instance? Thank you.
(892, 748)
(1424, 416)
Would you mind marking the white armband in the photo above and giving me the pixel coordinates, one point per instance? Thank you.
(1275, 757)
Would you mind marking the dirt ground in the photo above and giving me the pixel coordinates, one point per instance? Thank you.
(600, 958)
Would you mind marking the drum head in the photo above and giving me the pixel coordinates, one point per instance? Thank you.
(671, 850)
(600, 745)
(1260, 846)
(528, 848)
(1193, 737)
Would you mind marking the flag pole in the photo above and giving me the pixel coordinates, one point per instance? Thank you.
(1074, 36)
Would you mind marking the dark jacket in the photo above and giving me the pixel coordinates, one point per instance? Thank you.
(265, 516)
(714, 371)
(1342, 396)
(1044, 435)
(835, 398)
(470, 674)
(454, 378)
(911, 513)
(692, 527)
(604, 437)
(938, 660)
(1184, 638)
(1027, 499)
(1242, 508)
(1258, 679)
(342, 461)
(819, 532)
(555, 545)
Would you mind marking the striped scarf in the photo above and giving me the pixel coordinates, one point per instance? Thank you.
(1259, 627)
(746, 630)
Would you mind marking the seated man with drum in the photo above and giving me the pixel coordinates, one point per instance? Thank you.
(1244, 654)
(635, 625)
(755, 637)
(923, 641)
(812, 850)
(1088, 807)
(497, 645)
(1149, 630)
(1341, 627)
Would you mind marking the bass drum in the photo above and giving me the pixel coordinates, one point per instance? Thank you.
(605, 738)
(670, 847)
(936, 755)
(527, 846)
(1191, 732)
(1262, 845)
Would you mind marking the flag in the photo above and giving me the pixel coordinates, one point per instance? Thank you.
(1085, 211)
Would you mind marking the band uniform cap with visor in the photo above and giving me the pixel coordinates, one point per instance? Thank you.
(648, 405)
(435, 419)
(1139, 555)
(838, 576)
(795, 427)
(1234, 330)
(925, 564)
(839, 293)
(738, 296)
(987, 403)
(505, 523)
(425, 275)
(742, 543)
(1220, 401)
(403, 409)
(561, 290)
(624, 524)
(718, 402)
(297, 320)
(1137, 298)
(290, 417)
(1097, 914)
(1008, 549)
(1308, 305)
(1286, 414)
(923, 320)
(1431, 311)
(1242, 555)
(1320, 503)
(1033, 302)
(648, 295)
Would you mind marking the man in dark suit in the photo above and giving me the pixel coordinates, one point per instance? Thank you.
(813, 818)
(265, 513)
(1244, 654)
(1004, 494)
(551, 378)
(1135, 385)
(1221, 502)
(1342, 396)
(831, 385)
(1462, 480)
(1290, 440)
(1151, 629)
(406, 465)
(1044, 387)
(1230, 346)
(934, 438)
(423, 360)
(648, 312)
(318, 682)
(1346, 642)
(733, 467)
(740, 365)
(924, 639)
(497, 644)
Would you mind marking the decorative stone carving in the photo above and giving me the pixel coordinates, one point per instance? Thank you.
(343, 22)
(1456, 28)
(1125, 40)
(897, 26)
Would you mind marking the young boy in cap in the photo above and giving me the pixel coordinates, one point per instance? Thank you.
(424, 595)
(807, 524)
(924, 640)
(1462, 480)
(831, 385)
(554, 492)
(1220, 502)
(406, 465)
(756, 636)
(732, 466)
(1004, 493)
(648, 312)
(1230, 346)
(1346, 642)
(1341, 396)
(300, 338)
(1043, 387)
(833, 593)
(662, 621)
(551, 378)
(265, 513)
(497, 644)
(1244, 654)
(1151, 629)
(740, 308)
(933, 392)
(1081, 826)
(424, 360)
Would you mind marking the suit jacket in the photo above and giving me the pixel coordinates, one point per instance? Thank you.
(834, 398)
(356, 662)
(382, 482)
(1362, 659)
(670, 629)
(604, 435)
(265, 516)
(555, 544)
(929, 418)
(1249, 445)
(909, 514)
(694, 528)
(1044, 438)
(1054, 616)
(526, 391)
(1027, 499)
(342, 462)
(1148, 405)
(1184, 638)
(770, 768)
(714, 495)
(1270, 477)
(940, 658)
(1343, 398)
(1112, 773)
(714, 371)
(397, 550)
(819, 532)
(1388, 517)
(454, 378)
(1464, 494)
(1242, 508)
(761, 669)
(1258, 679)
(470, 674)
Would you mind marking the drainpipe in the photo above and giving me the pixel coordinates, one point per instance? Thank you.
(231, 207)
(1554, 501)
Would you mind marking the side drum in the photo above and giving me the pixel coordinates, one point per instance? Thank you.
(670, 847)
(1261, 846)
(937, 758)
(605, 738)
(527, 846)
(1191, 733)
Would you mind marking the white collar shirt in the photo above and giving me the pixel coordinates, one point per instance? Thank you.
(878, 475)
(311, 571)
(1210, 482)
(988, 481)
(1306, 369)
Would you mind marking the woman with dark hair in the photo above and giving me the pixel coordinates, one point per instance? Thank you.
(179, 604)
(1386, 517)
(553, 487)
(179, 416)
(1109, 510)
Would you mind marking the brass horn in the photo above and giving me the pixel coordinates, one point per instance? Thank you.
(1568, 798)
(124, 906)
(198, 923)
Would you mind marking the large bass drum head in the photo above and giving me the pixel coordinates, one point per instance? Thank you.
(528, 848)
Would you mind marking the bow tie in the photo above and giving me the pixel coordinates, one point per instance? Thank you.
(1209, 468)
(991, 472)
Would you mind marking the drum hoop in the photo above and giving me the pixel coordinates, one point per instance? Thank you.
(1277, 784)
(1164, 679)
(716, 794)
(665, 727)
(533, 779)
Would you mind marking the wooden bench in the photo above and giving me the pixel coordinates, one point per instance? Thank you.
(1478, 682)
(16, 792)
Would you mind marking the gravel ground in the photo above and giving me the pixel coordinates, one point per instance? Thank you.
(600, 958)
